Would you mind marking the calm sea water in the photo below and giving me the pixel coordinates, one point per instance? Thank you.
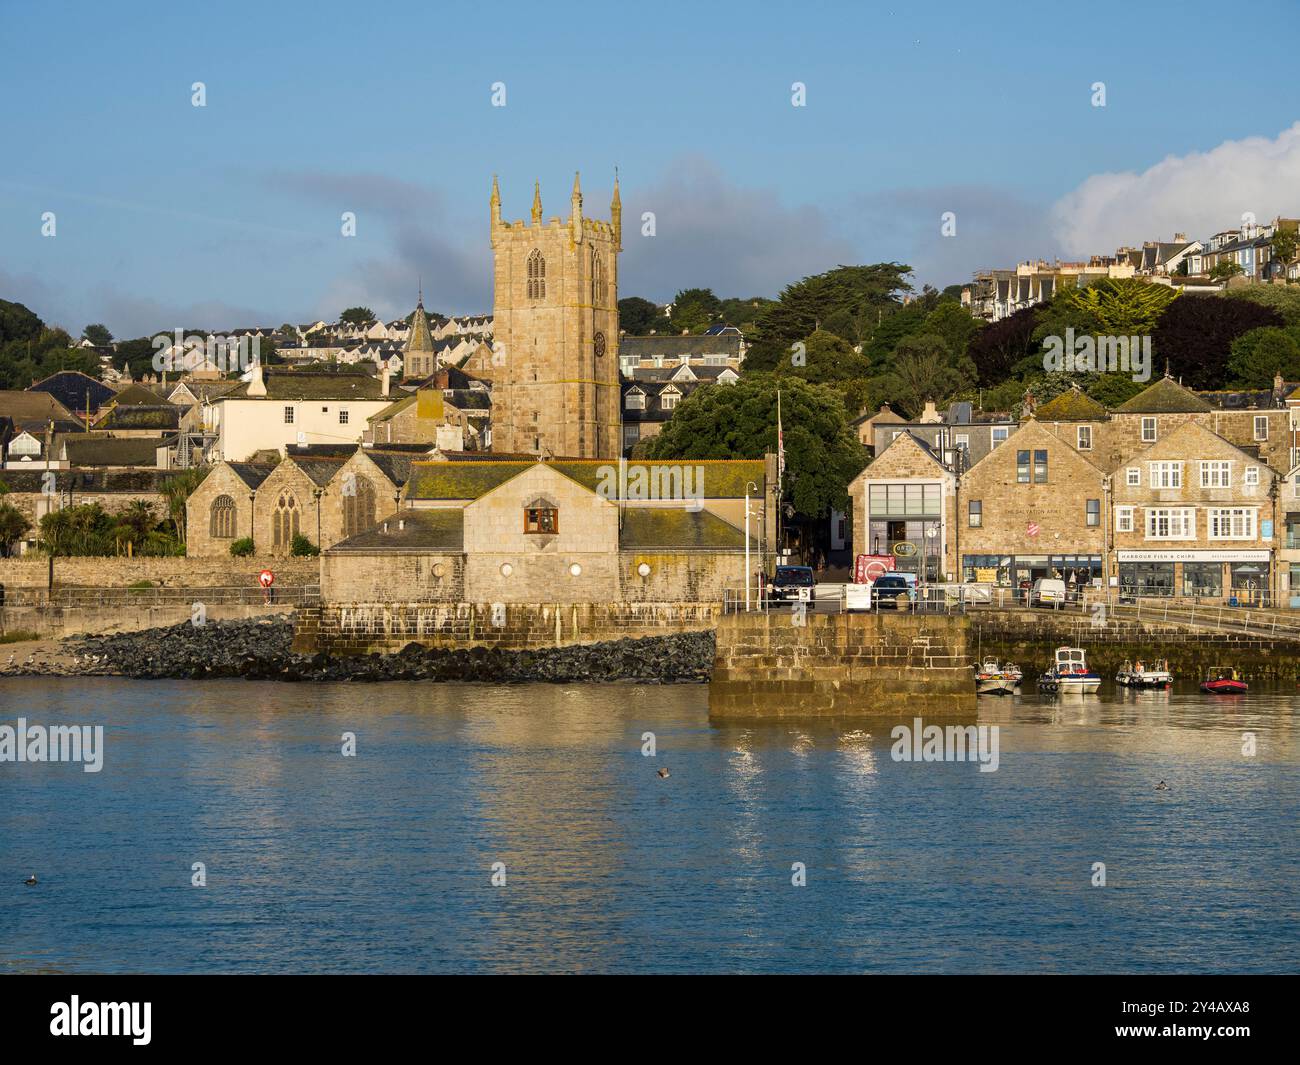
(383, 862)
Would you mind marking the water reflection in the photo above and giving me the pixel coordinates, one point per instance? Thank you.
(383, 862)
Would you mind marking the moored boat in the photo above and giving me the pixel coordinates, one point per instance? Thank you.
(991, 679)
(1070, 673)
(1013, 673)
(1140, 674)
(1224, 680)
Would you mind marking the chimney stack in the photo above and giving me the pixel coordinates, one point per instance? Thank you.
(383, 380)
(257, 386)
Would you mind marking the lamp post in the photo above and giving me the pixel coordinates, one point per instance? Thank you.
(749, 485)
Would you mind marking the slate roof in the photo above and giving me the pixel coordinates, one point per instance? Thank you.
(1073, 405)
(91, 449)
(319, 470)
(137, 395)
(723, 478)
(1166, 396)
(138, 416)
(300, 384)
(396, 466)
(649, 528)
(677, 346)
(438, 529)
(251, 473)
(90, 480)
(75, 390)
(1249, 399)
(420, 338)
(35, 410)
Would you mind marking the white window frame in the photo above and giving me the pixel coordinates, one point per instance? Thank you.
(1000, 434)
(1084, 432)
(1216, 473)
(288, 415)
(1133, 477)
(1261, 420)
(1179, 522)
(1251, 477)
(1241, 523)
(634, 401)
(1152, 425)
(343, 416)
(1166, 475)
(1124, 519)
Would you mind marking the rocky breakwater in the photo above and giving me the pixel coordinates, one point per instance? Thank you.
(259, 649)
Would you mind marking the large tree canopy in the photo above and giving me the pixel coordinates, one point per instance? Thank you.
(1195, 335)
(739, 422)
(849, 301)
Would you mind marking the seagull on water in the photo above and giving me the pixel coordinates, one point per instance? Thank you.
(1162, 786)
(663, 773)
(31, 880)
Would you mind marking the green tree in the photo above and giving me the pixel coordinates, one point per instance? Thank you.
(852, 299)
(739, 422)
(177, 490)
(1123, 306)
(639, 317)
(693, 310)
(1284, 299)
(955, 324)
(1224, 270)
(303, 548)
(1261, 353)
(13, 527)
(1283, 243)
(357, 316)
(98, 335)
(924, 369)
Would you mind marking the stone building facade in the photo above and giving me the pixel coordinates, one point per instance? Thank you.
(1034, 507)
(1194, 516)
(555, 316)
(512, 532)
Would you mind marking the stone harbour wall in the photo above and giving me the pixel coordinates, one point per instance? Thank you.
(383, 627)
(841, 665)
(32, 571)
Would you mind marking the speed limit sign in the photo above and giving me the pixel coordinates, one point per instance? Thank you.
(266, 578)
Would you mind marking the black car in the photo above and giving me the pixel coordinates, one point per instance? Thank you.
(793, 583)
(890, 590)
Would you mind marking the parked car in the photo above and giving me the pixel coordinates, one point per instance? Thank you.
(1049, 592)
(794, 583)
(894, 591)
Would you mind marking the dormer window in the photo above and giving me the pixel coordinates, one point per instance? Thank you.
(634, 401)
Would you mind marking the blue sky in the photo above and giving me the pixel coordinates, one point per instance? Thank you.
(227, 215)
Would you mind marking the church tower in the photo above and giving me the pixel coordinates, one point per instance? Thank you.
(555, 325)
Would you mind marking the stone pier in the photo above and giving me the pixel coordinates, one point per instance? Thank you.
(841, 665)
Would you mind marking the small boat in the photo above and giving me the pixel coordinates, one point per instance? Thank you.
(1153, 674)
(1012, 672)
(990, 679)
(1070, 673)
(1224, 680)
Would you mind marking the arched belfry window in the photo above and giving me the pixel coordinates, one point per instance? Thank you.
(536, 275)
(597, 278)
(223, 518)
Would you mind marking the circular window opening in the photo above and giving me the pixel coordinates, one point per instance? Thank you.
(438, 570)
(575, 570)
(506, 569)
(644, 569)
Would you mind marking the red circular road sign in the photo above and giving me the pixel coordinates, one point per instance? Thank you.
(875, 569)
(266, 578)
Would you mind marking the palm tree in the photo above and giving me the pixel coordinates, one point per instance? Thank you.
(177, 491)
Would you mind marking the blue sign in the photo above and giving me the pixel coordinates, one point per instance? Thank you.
(1266, 529)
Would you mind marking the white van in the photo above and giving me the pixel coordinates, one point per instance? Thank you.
(1048, 591)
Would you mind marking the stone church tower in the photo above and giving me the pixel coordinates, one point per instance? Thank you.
(555, 320)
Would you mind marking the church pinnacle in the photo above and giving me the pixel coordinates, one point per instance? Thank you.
(537, 202)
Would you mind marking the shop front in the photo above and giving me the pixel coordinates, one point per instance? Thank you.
(906, 522)
(1238, 577)
(1018, 571)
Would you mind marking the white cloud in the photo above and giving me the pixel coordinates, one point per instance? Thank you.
(1198, 194)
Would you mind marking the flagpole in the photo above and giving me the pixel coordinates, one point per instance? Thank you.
(780, 475)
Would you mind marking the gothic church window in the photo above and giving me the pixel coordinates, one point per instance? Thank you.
(223, 518)
(359, 508)
(536, 275)
(284, 522)
(597, 278)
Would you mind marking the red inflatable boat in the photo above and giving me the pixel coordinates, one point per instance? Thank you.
(1223, 680)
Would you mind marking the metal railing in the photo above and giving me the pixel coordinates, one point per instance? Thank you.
(1098, 606)
(84, 598)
